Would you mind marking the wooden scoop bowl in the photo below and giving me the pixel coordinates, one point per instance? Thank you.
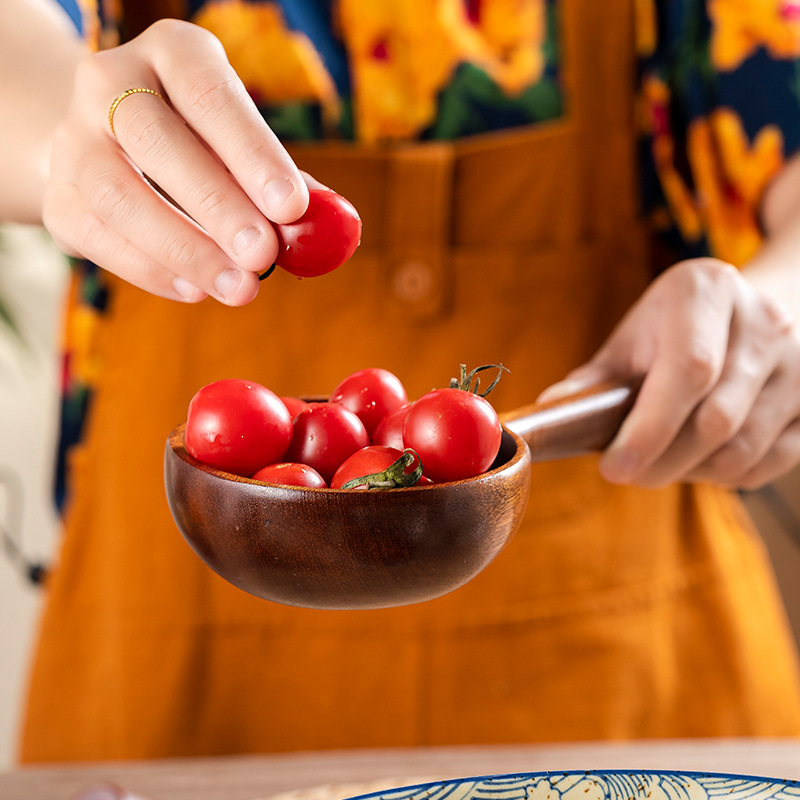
(336, 549)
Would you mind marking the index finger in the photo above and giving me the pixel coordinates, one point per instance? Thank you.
(207, 93)
(689, 356)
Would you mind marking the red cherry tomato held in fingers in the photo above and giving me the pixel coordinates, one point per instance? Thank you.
(390, 430)
(322, 239)
(237, 426)
(372, 394)
(325, 434)
(294, 404)
(289, 474)
(456, 433)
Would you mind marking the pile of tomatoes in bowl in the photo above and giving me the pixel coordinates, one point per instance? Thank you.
(367, 435)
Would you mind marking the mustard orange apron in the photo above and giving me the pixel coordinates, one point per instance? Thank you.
(614, 613)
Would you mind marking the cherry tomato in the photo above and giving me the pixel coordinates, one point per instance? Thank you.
(373, 460)
(322, 239)
(294, 404)
(367, 461)
(325, 434)
(372, 394)
(288, 474)
(390, 431)
(237, 426)
(455, 432)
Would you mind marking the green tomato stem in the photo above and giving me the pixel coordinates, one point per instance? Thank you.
(393, 477)
(465, 379)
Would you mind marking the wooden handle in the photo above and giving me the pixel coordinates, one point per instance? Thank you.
(582, 423)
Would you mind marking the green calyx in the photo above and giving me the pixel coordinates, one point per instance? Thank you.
(395, 476)
(470, 382)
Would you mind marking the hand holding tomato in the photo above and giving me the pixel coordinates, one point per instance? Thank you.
(190, 196)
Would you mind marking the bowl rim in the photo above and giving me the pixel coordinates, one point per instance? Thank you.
(176, 443)
(426, 787)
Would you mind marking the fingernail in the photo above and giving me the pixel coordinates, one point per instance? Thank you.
(227, 283)
(188, 291)
(619, 465)
(277, 192)
(246, 241)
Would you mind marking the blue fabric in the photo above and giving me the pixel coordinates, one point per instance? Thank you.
(74, 13)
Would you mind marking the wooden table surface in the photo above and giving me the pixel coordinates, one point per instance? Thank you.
(255, 777)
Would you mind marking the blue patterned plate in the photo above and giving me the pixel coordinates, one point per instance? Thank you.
(599, 785)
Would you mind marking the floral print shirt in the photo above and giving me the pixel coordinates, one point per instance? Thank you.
(718, 86)
(720, 113)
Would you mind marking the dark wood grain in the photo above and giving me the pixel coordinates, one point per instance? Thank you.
(326, 548)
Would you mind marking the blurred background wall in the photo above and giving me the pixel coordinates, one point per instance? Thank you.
(32, 281)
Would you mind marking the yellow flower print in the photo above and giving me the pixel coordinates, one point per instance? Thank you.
(404, 52)
(655, 119)
(276, 64)
(505, 37)
(730, 175)
(646, 27)
(740, 27)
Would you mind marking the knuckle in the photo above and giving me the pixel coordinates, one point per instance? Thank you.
(180, 251)
(178, 33)
(742, 454)
(722, 469)
(700, 364)
(730, 462)
(108, 193)
(147, 130)
(718, 420)
(708, 274)
(167, 28)
(208, 95)
(89, 231)
(721, 272)
(215, 202)
(719, 275)
(779, 322)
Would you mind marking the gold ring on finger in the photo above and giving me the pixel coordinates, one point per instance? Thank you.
(120, 98)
